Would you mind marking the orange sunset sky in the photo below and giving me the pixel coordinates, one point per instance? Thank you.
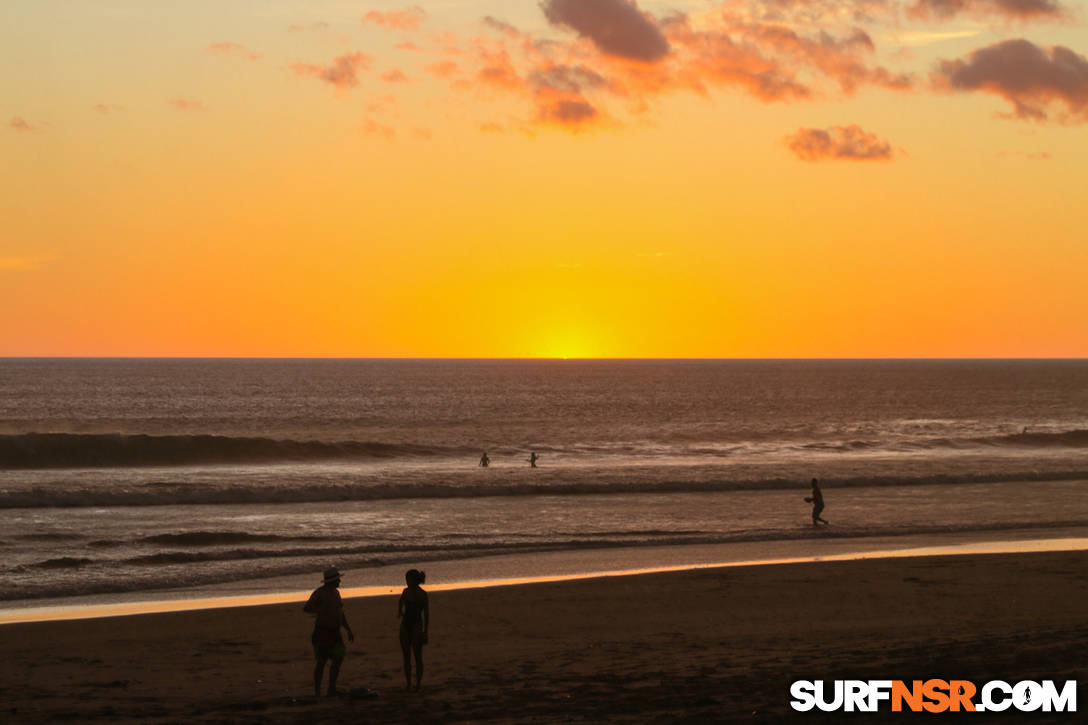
(508, 178)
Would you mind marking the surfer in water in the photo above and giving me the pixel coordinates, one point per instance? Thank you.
(484, 460)
(817, 501)
(532, 459)
(415, 618)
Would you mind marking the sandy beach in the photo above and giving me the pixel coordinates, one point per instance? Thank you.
(713, 645)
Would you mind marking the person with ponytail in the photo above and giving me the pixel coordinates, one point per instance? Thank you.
(415, 619)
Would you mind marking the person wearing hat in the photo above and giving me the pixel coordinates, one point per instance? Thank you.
(328, 610)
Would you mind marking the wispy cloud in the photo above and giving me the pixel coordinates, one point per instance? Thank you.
(921, 38)
(107, 108)
(20, 124)
(1012, 9)
(1029, 155)
(343, 72)
(309, 26)
(407, 19)
(233, 49)
(838, 143)
(372, 127)
(187, 104)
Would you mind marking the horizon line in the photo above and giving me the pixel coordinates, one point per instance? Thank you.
(532, 358)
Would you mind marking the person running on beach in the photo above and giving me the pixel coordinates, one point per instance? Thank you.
(328, 610)
(484, 460)
(532, 459)
(415, 620)
(817, 501)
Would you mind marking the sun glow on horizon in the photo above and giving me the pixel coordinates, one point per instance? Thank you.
(493, 180)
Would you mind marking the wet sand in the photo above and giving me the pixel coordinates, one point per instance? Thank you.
(710, 645)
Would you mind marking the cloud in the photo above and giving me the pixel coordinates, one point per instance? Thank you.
(343, 73)
(714, 58)
(310, 26)
(187, 104)
(838, 58)
(408, 19)
(18, 123)
(394, 75)
(502, 26)
(572, 113)
(1032, 79)
(1011, 9)
(915, 39)
(621, 58)
(443, 69)
(616, 27)
(838, 143)
(819, 13)
(107, 108)
(1031, 156)
(497, 69)
(233, 49)
(24, 263)
(371, 127)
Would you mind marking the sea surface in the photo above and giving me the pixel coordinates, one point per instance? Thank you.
(139, 475)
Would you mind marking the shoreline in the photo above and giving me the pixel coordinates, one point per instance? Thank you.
(707, 645)
(554, 566)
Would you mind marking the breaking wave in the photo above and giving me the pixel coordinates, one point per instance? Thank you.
(116, 450)
(235, 493)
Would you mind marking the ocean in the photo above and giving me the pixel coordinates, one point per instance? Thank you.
(122, 475)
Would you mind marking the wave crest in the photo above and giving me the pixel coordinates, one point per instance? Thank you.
(115, 450)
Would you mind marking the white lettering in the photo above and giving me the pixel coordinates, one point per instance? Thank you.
(879, 690)
(996, 705)
(835, 703)
(803, 699)
(1066, 701)
(856, 695)
(1027, 696)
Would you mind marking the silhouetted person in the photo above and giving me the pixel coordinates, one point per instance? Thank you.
(817, 501)
(484, 460)
(415, 620)
(328, 611)
(532, 459)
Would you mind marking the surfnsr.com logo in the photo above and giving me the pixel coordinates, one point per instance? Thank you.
(933, 696)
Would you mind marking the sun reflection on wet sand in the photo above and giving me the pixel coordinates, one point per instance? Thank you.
(90, 611)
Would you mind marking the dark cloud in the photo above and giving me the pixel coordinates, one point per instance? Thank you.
(616, 27)
(342, 73)
(567, 112)
(1014, 9)
(838, 143)
(1030, 78)
(394, 76)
